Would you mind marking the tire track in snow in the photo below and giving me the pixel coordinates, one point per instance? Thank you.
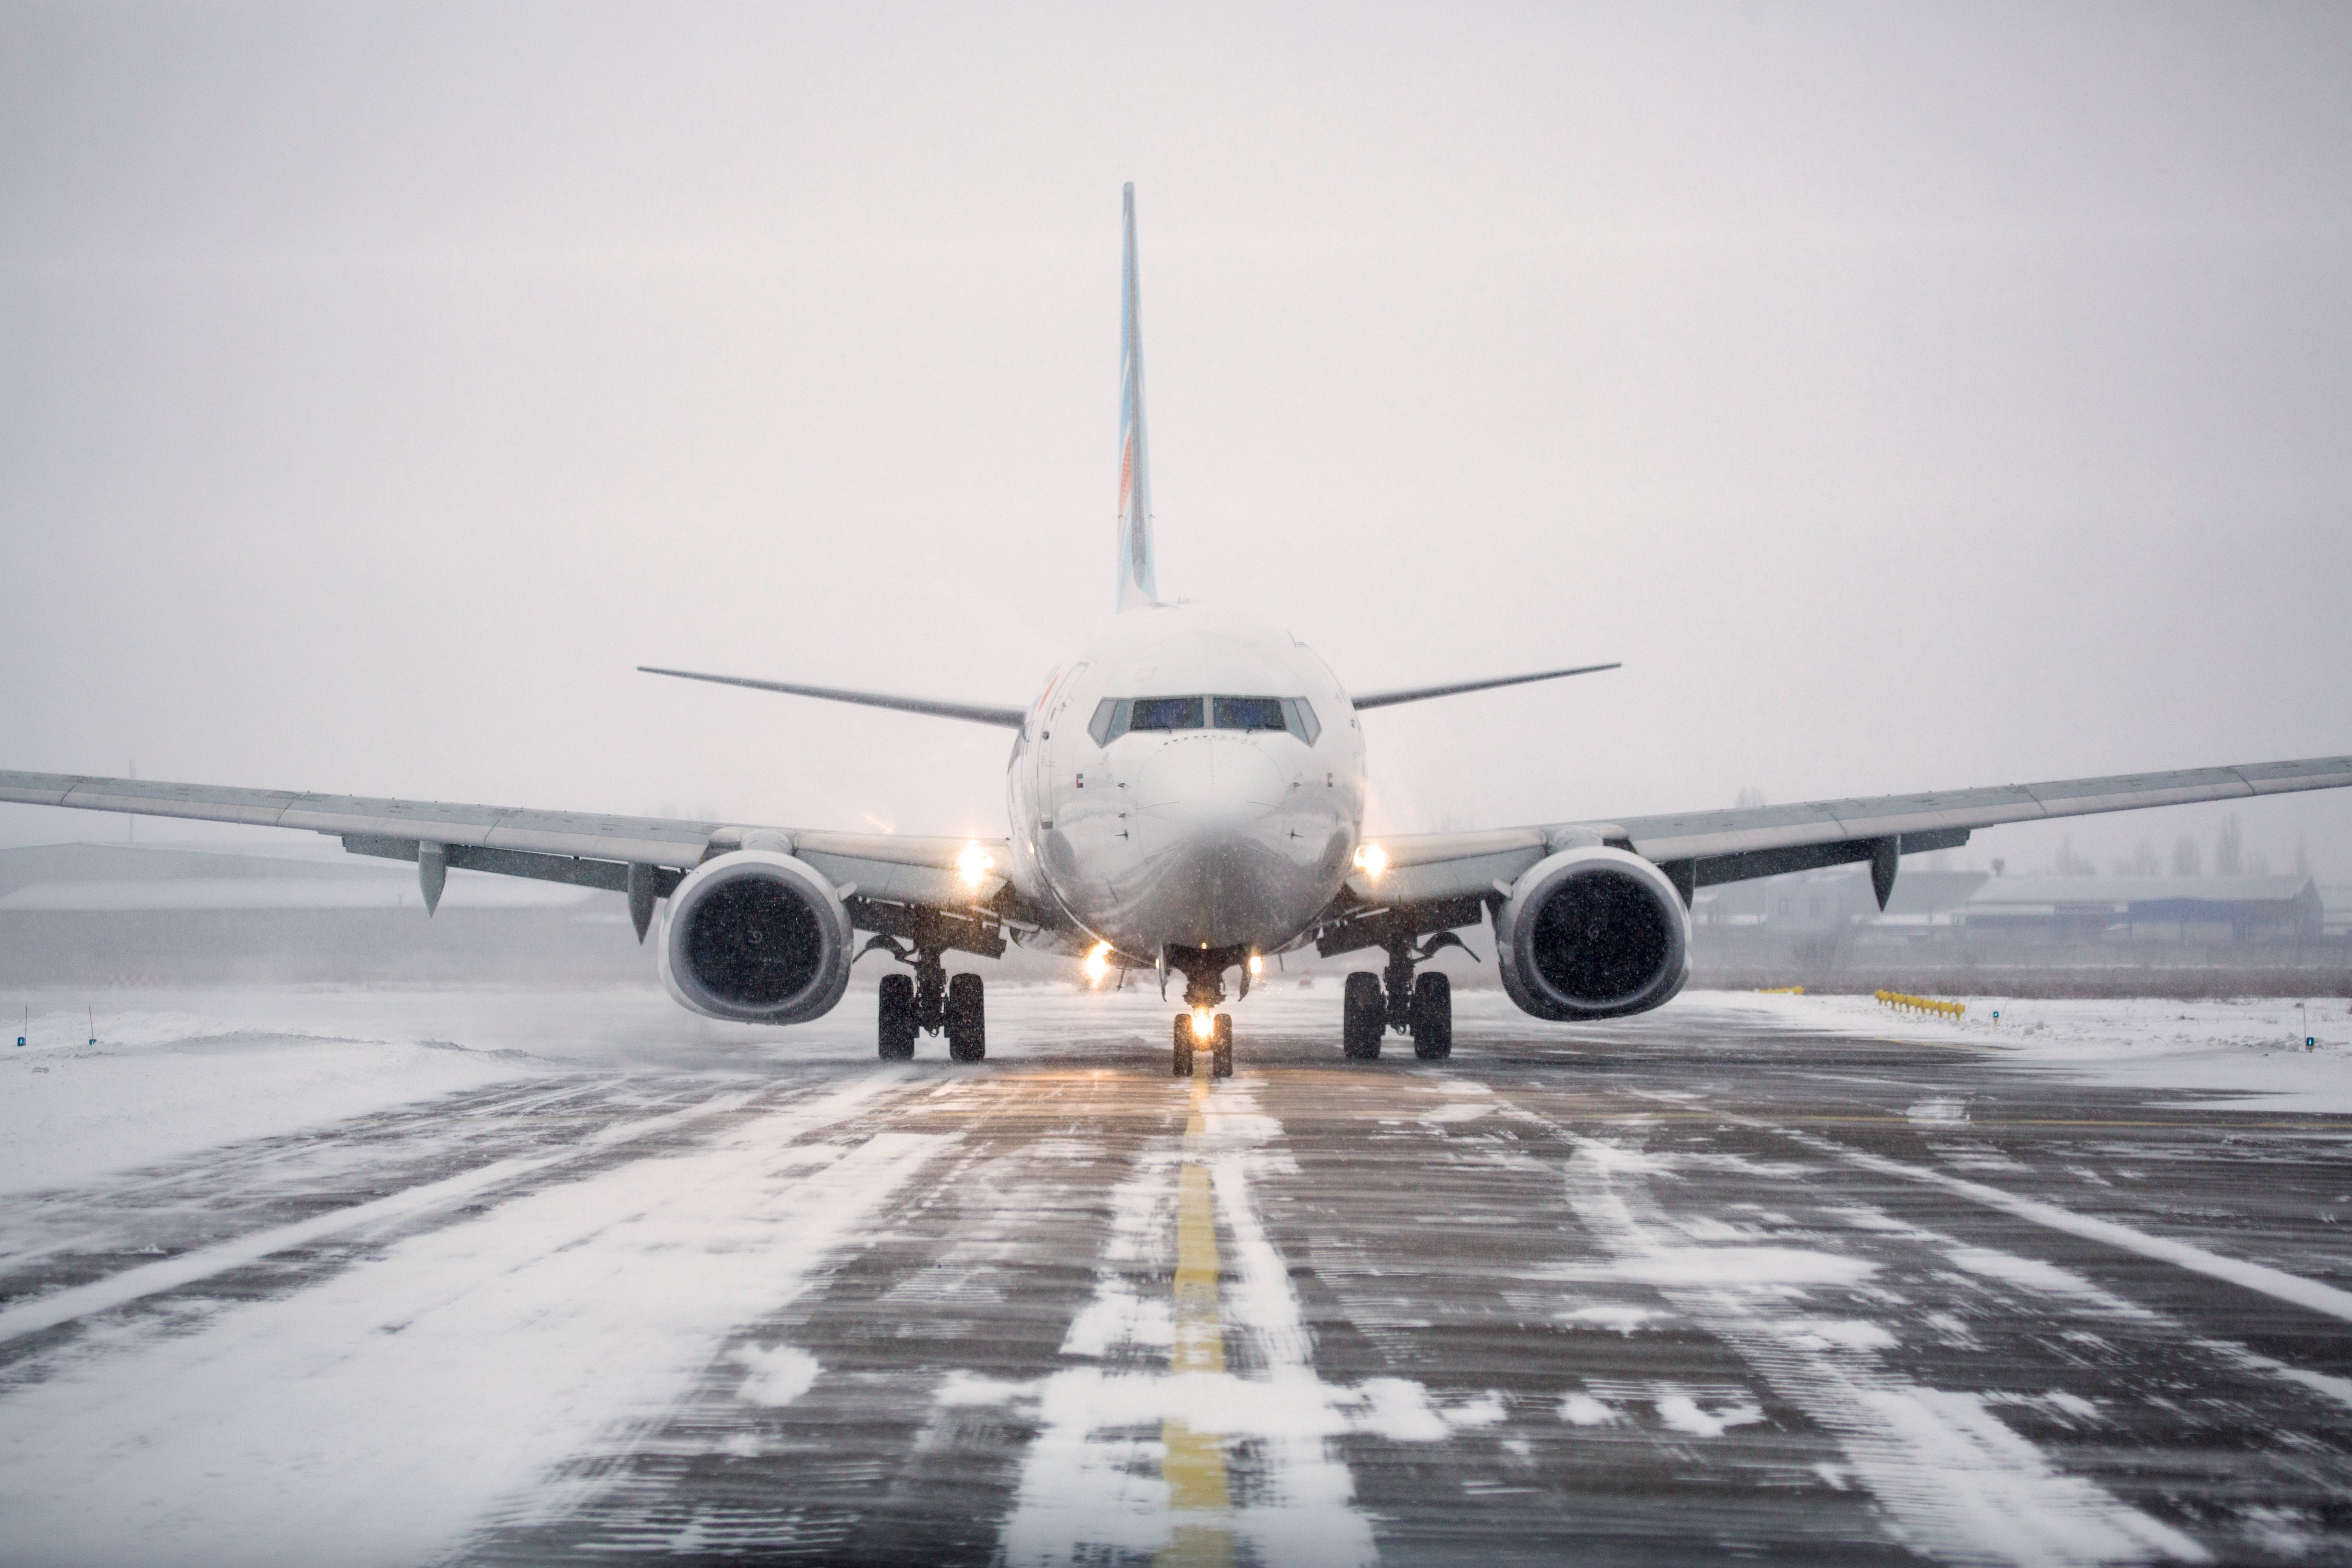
(815, 1432)
(89, 1229)
(2276, 1283)
(457, 1377)
(1957, 1483)
(1094, 1483)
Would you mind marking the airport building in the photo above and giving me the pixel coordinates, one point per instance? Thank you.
(2054, 909)
(293, 911)
(2155, 909)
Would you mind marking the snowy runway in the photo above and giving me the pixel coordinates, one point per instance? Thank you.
(509, 1278)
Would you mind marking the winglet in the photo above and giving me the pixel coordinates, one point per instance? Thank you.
(1137, 583)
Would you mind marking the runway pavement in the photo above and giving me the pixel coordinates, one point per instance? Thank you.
(1684, 1288)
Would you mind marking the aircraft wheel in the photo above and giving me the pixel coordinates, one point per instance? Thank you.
(1364, 1017)
(1432, 1017)
(967, 1019)
(1221, 1050)
(1184, 1054)
(899, 1027)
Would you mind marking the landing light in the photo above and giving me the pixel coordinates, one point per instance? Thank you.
(1371, 860)
(975, 864)
(1202, 1025)
(1257, 964)
(1098, 964)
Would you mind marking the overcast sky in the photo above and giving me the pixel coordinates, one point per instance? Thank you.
(1910, 397)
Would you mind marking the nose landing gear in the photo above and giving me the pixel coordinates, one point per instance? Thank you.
(1219, 1045)
(1204, 987)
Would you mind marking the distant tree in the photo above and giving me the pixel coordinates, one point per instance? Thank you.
(2144, 862)
(1751, 797)
(2073, 865)
(2229, 849)
(2188, 860)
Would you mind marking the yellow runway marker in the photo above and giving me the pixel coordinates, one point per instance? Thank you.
(1195, 1465)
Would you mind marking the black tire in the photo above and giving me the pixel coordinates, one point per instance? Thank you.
(1364, 1017)
(1432, 1017)
(1221, 1049)
(1182, 1058)
(967, 1020)
(898, 1027)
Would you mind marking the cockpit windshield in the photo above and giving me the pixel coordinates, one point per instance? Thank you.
(1164, 713)
(1116, 716)
(1248, 712)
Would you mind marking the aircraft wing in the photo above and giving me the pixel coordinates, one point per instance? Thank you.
(1699, 848)
(552, 846)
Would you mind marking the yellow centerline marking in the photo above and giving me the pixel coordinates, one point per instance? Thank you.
(1194, 1463)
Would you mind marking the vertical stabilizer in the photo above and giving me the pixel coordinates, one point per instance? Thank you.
(1137, 581)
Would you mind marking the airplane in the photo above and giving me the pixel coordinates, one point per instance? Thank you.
(1185, 794)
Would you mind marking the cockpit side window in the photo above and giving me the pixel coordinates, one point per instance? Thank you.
(1299, 718)
(1165, 713)
(1110, 721)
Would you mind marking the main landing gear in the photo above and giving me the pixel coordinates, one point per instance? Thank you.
(930, 1000)
(1420, 1005)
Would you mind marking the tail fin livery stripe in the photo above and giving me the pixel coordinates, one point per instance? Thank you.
(1137, 580)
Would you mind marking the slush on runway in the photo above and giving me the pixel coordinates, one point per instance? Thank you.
(1716, 1280)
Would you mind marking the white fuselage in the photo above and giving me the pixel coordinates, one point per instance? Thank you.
(1150, 814)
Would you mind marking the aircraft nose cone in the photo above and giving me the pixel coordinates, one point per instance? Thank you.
(1208, 781)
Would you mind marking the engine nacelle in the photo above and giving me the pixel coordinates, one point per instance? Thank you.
(758, 937)
(1592, 932)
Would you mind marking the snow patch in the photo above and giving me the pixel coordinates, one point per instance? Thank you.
(1738, 1265)
(1844, 1333)
(1117, 1316)
(1684, 1413)
(780, 1374)
(1623, 1319)
(2031, 1273)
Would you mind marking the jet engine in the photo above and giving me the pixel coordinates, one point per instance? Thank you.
(758, 937)
(1592, 932)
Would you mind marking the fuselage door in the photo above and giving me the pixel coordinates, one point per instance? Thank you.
(1054, 716)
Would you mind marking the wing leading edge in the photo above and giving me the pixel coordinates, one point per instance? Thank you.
(1698, 849)
(1454, 689)
(623, 854)
(972, 712)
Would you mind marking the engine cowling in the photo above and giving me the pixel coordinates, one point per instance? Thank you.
(1592, 932)
(758, 937)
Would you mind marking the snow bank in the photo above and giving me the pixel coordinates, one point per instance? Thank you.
(164, 1084)
(2247, 1053)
